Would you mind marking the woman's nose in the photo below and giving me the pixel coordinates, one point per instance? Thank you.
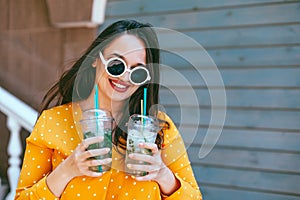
(125, 76)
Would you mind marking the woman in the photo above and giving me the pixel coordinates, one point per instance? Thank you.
(119, 64)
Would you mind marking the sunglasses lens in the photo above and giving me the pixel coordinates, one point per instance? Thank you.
(115, 67)
(139, 75)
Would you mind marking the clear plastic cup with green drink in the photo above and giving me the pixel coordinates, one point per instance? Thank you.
(94, 123)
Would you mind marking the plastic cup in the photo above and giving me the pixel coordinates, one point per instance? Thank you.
(94, 123)
(141, 129)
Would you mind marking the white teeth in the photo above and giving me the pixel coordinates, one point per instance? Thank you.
(119, 85)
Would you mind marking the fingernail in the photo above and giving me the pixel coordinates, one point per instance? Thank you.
(97, 174)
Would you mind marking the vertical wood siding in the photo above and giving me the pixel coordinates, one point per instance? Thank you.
(256, 46)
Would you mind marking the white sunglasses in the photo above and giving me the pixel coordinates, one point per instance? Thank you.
(117, 67)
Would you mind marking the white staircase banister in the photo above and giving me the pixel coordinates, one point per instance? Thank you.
(12, 106)
(18, 115)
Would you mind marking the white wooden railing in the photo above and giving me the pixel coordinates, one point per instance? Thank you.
(18, 115)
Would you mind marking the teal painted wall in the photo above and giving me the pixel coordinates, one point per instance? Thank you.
(256, 47)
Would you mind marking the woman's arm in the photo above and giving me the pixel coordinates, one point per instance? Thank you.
(36, 166)
(77, 164)
(176, 158)
(39, 178)
(157, 170)
(167, 181)
(170, 168)
(38, 181)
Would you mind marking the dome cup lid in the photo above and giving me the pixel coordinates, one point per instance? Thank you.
(93, 114)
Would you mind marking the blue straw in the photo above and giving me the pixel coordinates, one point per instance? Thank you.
(96, 102)
(145, 101)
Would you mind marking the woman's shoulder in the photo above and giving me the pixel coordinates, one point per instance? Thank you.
(163, 116)
(64, 112)
(54, 125)
(56, 118)
(170, 130)
(59, 109)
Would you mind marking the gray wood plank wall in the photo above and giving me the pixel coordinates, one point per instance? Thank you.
(256, 46)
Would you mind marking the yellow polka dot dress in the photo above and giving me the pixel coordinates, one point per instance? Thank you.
(54, 138)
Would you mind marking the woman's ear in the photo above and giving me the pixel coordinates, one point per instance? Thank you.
(95, 63)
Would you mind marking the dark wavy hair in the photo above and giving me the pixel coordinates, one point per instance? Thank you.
(77, 83)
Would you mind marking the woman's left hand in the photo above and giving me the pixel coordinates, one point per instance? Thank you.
(154, 169)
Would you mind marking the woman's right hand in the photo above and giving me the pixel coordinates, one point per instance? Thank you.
(77, 164)
(79, 161)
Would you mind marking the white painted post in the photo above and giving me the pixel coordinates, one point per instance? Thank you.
(18, 115)
(14, 152)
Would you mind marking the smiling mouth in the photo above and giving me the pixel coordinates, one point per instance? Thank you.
(117, 86)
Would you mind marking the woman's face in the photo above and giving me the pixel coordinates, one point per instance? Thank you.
(132, 50)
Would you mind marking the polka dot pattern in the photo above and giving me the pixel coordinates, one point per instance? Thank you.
(54, 138)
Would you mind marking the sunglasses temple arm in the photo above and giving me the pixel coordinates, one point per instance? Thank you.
(102, 58)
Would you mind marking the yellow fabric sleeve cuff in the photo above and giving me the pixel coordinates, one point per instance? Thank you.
(43, 190)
